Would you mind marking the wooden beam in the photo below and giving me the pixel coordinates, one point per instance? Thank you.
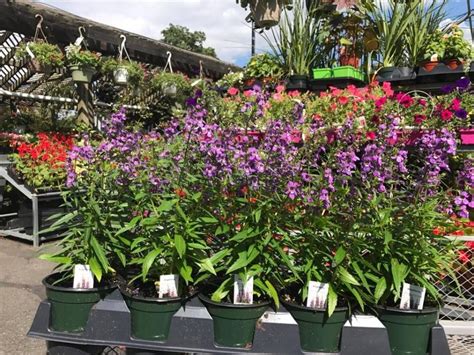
(62, 27)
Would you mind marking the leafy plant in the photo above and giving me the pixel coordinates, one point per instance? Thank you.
(45, 53)
(163, 80)
(230, 80)
(263, 66)
(296, 40)
(456, 46)
(435, 47)
(136, 74)
(75, 56)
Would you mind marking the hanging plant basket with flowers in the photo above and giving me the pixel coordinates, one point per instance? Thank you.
(44, 57)
(81, 63)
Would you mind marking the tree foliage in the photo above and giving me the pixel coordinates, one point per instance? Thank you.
(182, 37)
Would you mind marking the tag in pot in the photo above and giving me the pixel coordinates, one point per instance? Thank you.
(168, 286)
(317, 295)
(243, 292)
(83, 277)
(413, 297)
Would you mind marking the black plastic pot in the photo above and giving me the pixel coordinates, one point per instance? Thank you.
(386, 73)
(297, 82)
(151, 317)
(406, 73)
(70, 307)
(318, 332)
(234, 324)
(408, 330)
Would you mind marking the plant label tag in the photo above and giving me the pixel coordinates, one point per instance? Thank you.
(317, 295)
(243, 292)
(413, 297)
(83, 277)
(194, 83)
(168, 286)
(30, 53)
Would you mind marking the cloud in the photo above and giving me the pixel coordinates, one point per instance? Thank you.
(221, 20)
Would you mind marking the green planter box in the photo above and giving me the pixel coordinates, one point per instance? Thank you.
(345, 72)
(325, 73)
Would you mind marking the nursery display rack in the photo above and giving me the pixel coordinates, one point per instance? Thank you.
(35, 199)
(192, 332)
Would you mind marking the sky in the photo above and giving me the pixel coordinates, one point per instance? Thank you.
(223, 21)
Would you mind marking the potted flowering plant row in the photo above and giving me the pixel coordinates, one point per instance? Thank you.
(320, 216)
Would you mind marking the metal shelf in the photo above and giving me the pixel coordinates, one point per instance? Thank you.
(35, 198)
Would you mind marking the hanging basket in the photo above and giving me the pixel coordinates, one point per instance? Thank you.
(36, 67)
(82, 74)
(170, 90)
(266, 13)
(121, 75)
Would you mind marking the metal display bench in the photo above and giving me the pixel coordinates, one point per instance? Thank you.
(35, 199)
(192, 332)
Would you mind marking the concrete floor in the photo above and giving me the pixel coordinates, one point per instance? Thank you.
(21, 291)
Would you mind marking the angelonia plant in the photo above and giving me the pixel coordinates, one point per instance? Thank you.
(279, 188)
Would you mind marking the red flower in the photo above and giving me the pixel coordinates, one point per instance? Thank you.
(419, 119)
(343, 100)
(233, 91)
(464, 257)
(370, 135)
(387, 88)
(180, 193)
(456, 104)
(446, 115)
(380, 102)
(438, 231)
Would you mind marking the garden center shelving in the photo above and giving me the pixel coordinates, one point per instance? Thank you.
(35, 199)
(192, 332)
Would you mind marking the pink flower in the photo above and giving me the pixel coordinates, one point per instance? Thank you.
(446, 115)
(280, 88)
(387, 88)
(456, 104)
(464, 257)
(422, 102)
(405, 100)
(277, 96)
(380, 102)
(294, 93)
(233, 91)
(248, 93)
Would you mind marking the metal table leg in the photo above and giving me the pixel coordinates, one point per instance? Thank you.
(34, 201)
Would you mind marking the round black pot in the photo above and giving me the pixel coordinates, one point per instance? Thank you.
(408, 330)
(297, 82)
(151, 317)
(234, 324)
(318, 332)
(70, 307)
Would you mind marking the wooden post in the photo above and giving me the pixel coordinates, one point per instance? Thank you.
(85, 106)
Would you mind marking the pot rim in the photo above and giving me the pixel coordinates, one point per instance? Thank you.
(156, 300)
(407, 311)
(206, 299)
(304, 308)
(71, 289)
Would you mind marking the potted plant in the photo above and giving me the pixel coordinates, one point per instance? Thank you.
(123, 73)
(46, 55)
(264, 68)
(265, 13)
(400, 220)
(435, 51)
(173, 85)
(81, 63)
(457, 49)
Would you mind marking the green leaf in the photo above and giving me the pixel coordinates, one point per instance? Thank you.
(99, 252)
(180, 245)
(206, 264)
(130, 225)
(346, 277)
(240, 263)
(166, 205)
(221, 292)
(95, 268)
(149, 260)
(380, 289)
(273, 293)
(332, 300)
(56, 259)
(340, 255)
(399, 272)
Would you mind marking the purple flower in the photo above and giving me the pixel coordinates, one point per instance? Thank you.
(463, 83)
(292, 189)
(461, 113)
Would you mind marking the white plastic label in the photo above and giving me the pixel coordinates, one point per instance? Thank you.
(243, 291)
(30, 53)
(317, 295)
(413, 297)
(168, 286)
(83, 277)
